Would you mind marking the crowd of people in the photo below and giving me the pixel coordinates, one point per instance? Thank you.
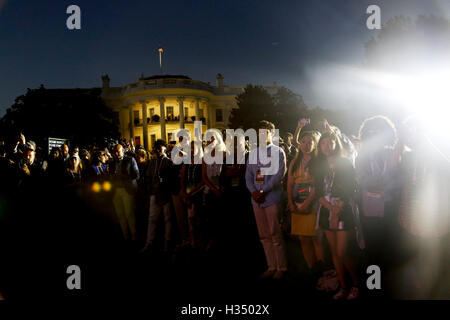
(380, 198)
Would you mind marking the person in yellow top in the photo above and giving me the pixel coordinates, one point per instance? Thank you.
(300, 191)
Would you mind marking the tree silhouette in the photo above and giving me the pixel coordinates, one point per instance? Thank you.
(255, 104)
(284, 109)
(288, 109)
(76, 114)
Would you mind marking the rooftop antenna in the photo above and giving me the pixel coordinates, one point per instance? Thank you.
(160, 50)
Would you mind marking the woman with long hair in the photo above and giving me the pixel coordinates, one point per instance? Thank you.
(335, 184)
(72, 175)
(301, 200)
(213, 159)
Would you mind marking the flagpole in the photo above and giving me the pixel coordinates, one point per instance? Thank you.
(160, 50)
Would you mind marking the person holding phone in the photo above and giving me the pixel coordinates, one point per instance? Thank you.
(301, 200)
(323, 126)
(335, 184)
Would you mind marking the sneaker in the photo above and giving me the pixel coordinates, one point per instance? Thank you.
(342, 294)
(267, 274)
(278, 275)
(354, 293)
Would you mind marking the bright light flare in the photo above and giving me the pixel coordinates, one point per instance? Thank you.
(106, 186)
(96, 187)
(424, 92)
(427, 93)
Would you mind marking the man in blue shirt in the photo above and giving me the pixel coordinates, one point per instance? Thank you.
(265, 171)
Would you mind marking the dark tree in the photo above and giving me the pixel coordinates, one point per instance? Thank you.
(76, 114)
(284, 109)
(255, 104)
(288, 109)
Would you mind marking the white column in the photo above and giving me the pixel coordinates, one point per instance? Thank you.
(226, 114)
(123, 123)
(162, 113)
(144, 124)
(131, 127)
(181, 111)
(197, 109)
(209, 119)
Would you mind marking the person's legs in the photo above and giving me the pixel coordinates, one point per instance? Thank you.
(318, 250)
(215, 226)
(193, 225)
(180, 214)
(343, 238)
(373, 234)
(167, 221)
(276, 236)
(264, 236)
(167, 210)
(155, 212)
(337, 260)
(128, 203)
(120, 211)
(209, 216)
(308, 251)
(429, 264)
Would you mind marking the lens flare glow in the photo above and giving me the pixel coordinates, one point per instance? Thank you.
(96, 187)
(106, 186)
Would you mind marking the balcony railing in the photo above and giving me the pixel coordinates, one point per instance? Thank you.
(168, 83)
(139, 123)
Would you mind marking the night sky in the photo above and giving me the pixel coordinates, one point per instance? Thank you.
(256, 42)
